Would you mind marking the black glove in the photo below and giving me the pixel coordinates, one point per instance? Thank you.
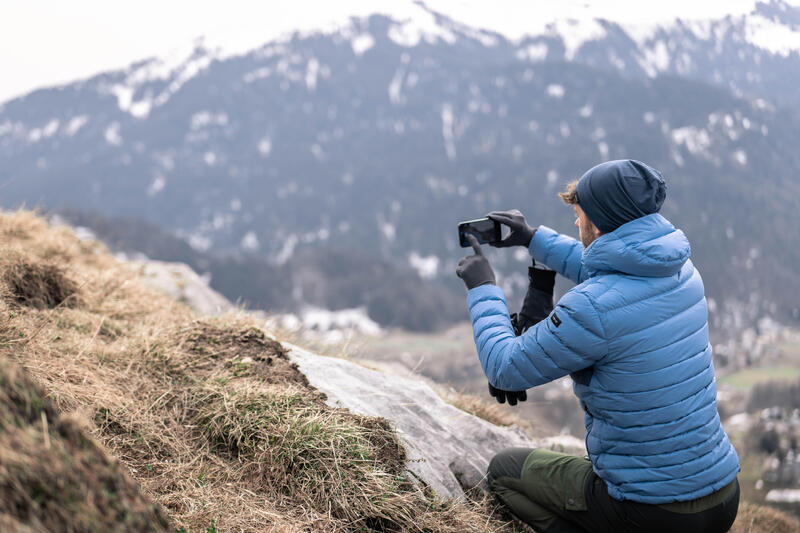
(512, 396)
(538, 301)
(475, 269)
(521, 233)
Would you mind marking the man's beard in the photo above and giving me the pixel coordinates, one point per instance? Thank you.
(587, 235)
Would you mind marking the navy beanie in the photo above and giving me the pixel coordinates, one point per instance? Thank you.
(617, 192)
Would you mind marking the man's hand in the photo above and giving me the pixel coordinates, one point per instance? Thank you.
(475, 269)
(512, 396)
(521, 233)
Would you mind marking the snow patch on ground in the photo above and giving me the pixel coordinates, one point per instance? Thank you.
(112, 135)
(265, 146)
(312, 69)
(772, 36)
(124, 94)
(198, 241)
(388, 229)
(783, 495)
(533, 52)
(176, 68)
(426, 266)
(157, 185)
(396, 86)
(362, 43)
(37, 134)
(327, 326)
(575, 32)
(201, 119)
(416, 24)
(250, 242)
(287, 250)
(50, 128)
(75, 124)
(258, 74)
(6, 127)
(357, 318)
(695, 139)
(656, 58)
(739, 22)
(555, 90)
(447, 130)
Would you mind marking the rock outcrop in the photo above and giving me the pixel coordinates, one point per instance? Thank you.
(183, 284)
(443, 442)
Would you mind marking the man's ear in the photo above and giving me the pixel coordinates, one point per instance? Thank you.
(595, 231)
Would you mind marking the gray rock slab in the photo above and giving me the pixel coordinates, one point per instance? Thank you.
(183, 284)
(438, 437)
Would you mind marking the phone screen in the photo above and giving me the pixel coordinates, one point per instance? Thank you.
(484, 229)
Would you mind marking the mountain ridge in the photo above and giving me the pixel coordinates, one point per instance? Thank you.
(577, 22)
(384, 148)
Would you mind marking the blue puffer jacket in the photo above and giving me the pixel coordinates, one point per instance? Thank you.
(634, 336)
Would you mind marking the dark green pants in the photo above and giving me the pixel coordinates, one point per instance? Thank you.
(555, 492)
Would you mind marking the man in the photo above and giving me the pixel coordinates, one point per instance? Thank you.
(633, 335)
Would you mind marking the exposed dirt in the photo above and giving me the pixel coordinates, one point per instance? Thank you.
(384, 440)
(760, 519)
(244, 352)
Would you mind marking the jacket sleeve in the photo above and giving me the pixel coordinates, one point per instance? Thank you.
(559, 252)
(570, 339)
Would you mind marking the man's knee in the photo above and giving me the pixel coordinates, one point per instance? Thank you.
(507, 463)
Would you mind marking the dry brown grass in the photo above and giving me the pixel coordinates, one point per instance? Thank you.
(37, 285)
(760, 519)
(485, 409)
(209, 416)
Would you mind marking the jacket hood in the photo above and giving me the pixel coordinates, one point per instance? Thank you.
(648, 246)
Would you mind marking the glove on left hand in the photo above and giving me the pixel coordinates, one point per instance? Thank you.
(512, 396)
(521, 233)
(475, 269)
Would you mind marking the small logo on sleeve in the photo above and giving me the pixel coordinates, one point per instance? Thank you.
(555, 320)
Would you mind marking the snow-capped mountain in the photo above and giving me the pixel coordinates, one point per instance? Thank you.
(669, 36)
(381, 133)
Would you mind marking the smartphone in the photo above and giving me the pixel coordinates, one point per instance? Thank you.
(484, 229)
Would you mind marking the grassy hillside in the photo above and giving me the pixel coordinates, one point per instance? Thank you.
(121, 410)
(209, 417)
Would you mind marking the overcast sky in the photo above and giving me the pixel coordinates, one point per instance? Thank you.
(46, 43)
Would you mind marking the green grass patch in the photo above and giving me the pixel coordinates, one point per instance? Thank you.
(746, 379)
(790, 349)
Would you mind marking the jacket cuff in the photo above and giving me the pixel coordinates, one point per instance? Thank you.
(540, 244)
(484, 292)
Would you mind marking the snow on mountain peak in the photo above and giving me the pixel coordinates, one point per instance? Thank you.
(33, 61)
